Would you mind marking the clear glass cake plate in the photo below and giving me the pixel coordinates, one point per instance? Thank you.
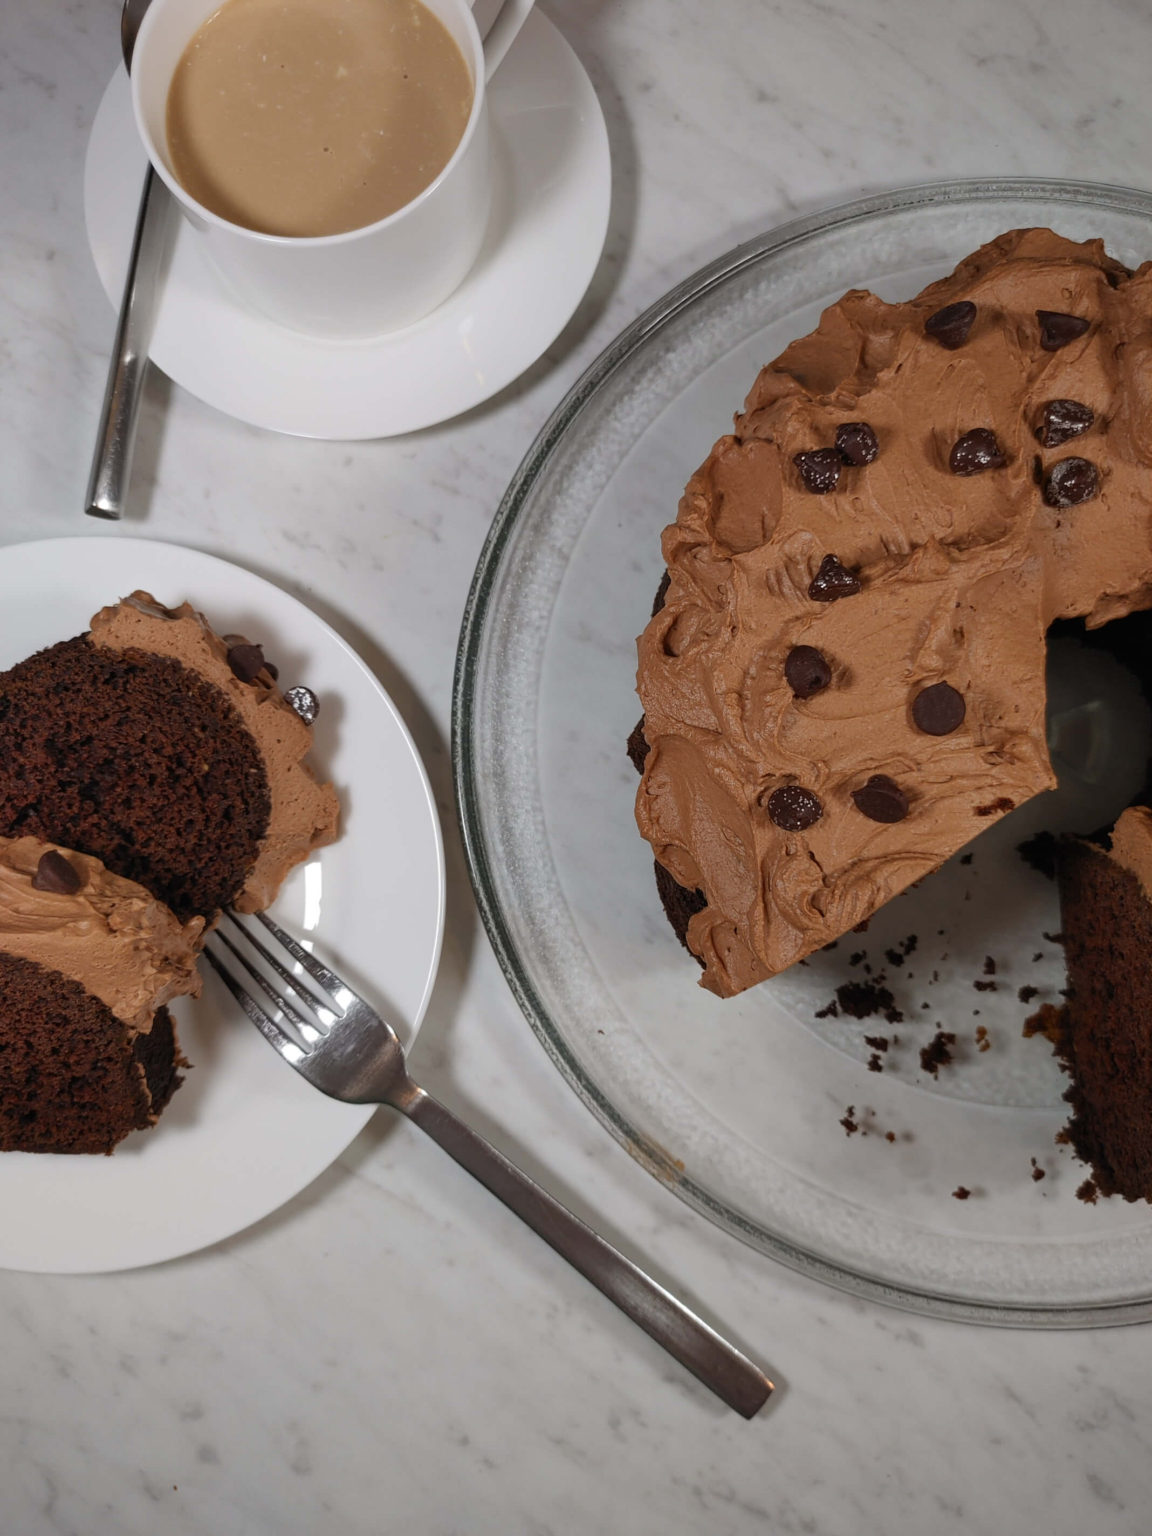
(737, 1106)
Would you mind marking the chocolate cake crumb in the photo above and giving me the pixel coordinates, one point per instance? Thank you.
(862, 927)
(889, 1135)
(893, 957)
(1026, 994)
(855, 959)
(937, 1053)
(1039, 853)
(849, 1121)
(1048, 1020)
(874, 1063)
(863, 999)
(965, 858)
(1039, 955)
(1053, 938)
(1038, 1173)
(830, 1012)
(985, 986)
(989, 966)
(877, 1042)
(960, 1193)
(824, 948)
(1088, 1192)
(925, 1006)
(982, 1041)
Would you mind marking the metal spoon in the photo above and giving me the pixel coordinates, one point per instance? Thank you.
(112, 460)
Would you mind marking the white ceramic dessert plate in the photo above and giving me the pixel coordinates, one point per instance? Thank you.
(552, 191)
(738, 1105)
(244, 1133)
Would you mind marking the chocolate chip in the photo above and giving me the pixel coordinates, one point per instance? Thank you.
(938, 710)
(1071, 482)
(950, 325)
(1057, 330)
(57, 874)
(975, 452)
(832, 581)
(246, 661)
(1063, 419)
(819, 469)
(806, 672)
(856, 442)
(794, 808)
(881, 799)
(307, 705)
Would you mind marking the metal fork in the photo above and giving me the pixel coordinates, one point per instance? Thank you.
(341, 1045)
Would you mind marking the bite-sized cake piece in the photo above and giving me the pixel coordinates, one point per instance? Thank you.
(168, 752)
(1104, 1033)
(88, 962)
(844, 683)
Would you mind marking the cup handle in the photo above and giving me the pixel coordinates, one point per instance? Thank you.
(499, 21)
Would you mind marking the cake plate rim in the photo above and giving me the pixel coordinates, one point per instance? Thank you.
(467, 770)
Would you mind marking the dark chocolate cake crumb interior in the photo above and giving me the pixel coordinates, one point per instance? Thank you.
(129, 756)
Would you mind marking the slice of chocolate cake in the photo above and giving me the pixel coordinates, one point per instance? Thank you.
(169, 753)
(1104, 1034)
(88, 962)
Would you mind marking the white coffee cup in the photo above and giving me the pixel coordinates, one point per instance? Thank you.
(365, 281)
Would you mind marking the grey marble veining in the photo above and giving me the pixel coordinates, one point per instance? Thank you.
(392, 1351)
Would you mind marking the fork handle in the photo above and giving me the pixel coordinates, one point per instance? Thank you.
(710, 1358)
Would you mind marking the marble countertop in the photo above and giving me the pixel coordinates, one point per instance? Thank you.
(392, 1351)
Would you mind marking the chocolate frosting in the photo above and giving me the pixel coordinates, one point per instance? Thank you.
(960, 576)
(1132, 844)
(110, 935)
(305, 812)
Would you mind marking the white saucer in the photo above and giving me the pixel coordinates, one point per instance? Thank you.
(549, 218)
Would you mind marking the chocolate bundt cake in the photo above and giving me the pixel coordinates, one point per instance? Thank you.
(843, 680)
(168, 753)
(88, 962)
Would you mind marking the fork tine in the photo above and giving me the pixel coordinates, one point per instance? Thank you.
(292, 1053)
(305, 1027)
(327, 1008)
(319, 972)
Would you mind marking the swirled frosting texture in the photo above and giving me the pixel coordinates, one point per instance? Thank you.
(111, 936)
(960, 577)
(304, 812)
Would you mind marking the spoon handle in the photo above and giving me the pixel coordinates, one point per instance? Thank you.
(112, 459)
(709, 1356)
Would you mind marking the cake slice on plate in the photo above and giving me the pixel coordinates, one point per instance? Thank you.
(88, 963)
(168, 752)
